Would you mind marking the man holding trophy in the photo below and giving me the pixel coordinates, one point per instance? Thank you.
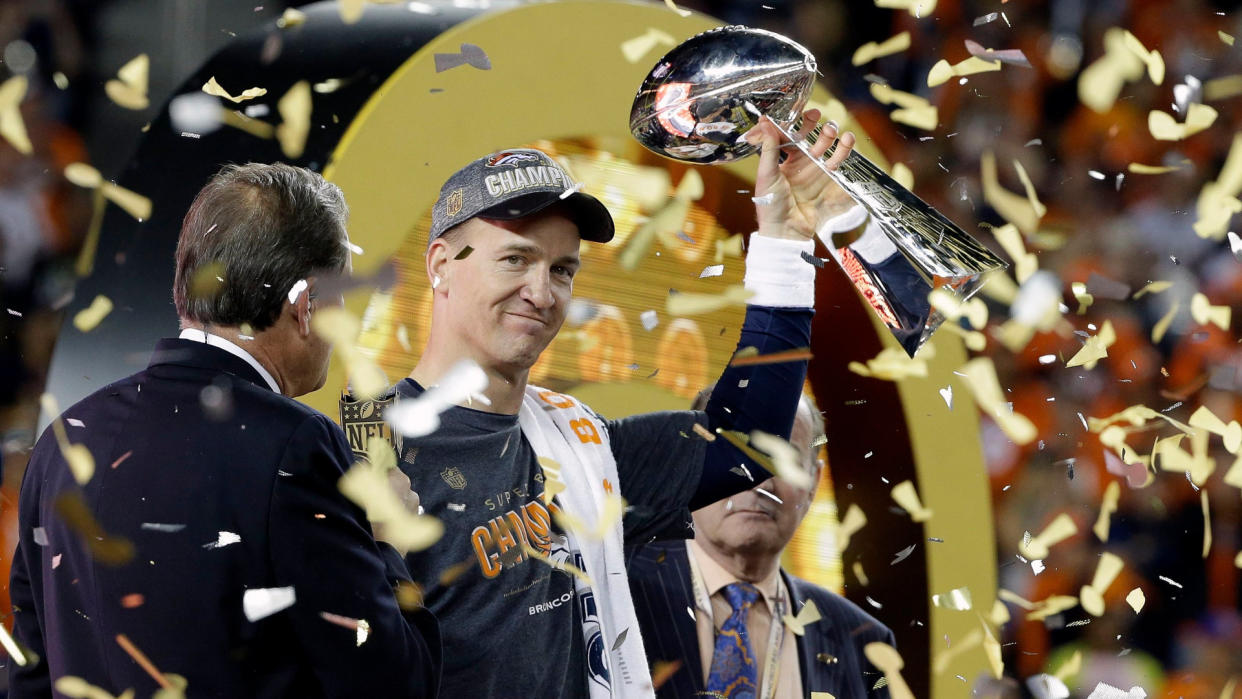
(502, 473)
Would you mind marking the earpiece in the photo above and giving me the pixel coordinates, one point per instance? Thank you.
(435, 281)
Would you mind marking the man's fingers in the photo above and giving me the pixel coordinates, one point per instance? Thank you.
(845, 144)
(824, 142)
(809, 119)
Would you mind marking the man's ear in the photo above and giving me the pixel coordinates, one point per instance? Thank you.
(438, 257)
(302, 307)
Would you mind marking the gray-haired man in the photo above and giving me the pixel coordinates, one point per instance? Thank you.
(210, 535)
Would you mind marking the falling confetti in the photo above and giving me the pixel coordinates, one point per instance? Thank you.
(213, 88)
(90, 317)
(980, 377)
(906, 496)
(1095, 348)
(636, 48)
(943, 72)
(366, 484)
(341, 328)
(295, 112)
(673, 6)
(129, 89)
(853, 521)
(1164, 127)
(77, 456)
(1020, 211)
(917, 8)
(872, 50)
(12, 127)
(689, 304)
(1092, 596)
(809, 614)
(1059, 529)
(1109, 505)
(134, 204)
(1205, 313)
(887, 660)
(893, 364)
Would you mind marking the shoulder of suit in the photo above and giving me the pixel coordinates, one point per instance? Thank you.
(833, 605)
(656, 553)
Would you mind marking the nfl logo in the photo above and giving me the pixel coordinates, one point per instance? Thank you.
(453, 205)
(454, 477)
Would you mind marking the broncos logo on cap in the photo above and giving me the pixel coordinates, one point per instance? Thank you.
(510, 157)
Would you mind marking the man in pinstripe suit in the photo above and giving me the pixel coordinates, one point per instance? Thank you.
(716, 604)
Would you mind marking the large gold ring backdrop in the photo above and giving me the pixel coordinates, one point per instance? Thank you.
(559, 79)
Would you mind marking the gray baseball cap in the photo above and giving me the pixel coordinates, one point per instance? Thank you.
(512, 184)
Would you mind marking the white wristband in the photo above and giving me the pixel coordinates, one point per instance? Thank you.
(841, 223)
(777, 274)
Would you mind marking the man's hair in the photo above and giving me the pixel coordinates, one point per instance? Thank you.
(818, 429)
(259, 228)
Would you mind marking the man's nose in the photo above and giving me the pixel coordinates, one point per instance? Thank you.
(538, 289)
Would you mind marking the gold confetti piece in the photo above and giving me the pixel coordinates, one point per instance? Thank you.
(957, 599)
(613, 507)
(785, 460)
(366, 484)
(917, 8)
(999, 615)
(1227, 692)
(1197, 463)
(558, 565)
(853, 521)
(822, 695)
(12, 127)
(908, 498)
(960, 646)
(1013, 208)
(1141, 169)
(689, 303)
(360, 627)
(77, 456)
(975, 340)
(1107, 507)
(1204, 418)
(105, 548)
(793, 355)
(809, 614)
(1164, 127)
(1207, 523)
(702, 432)
(1226, 38)
(341, 328)
(254, 127)
(951, 306)
(634, 49)
(980, 377)
(1205, 313)
(78, 688)
(914, 110)
(672, 6)
(992, 650)
(1092, 596)
(1152, 288)
(552, 483)
(134, 204)
(10, 646)
(129, 90)
(1237, 560)
(872, 50)
(886, 659)
(1233, 476)
(729, 247)
(351, 10)
(143, 661)
(213, 88)
(860, 573)
(892, 364)
(1100, 83)
(90, 317)
(1095, 348)
(1222, 88)
(1052, 606)
(295, 111)
(1069, 668)
(1162, 326)
(924, 117)
(1059, 529)
(902, 174)
(1137, 415)
(1152, 59)
(291, 18)
(942, 72)
(1084, 299)
(1013, 598)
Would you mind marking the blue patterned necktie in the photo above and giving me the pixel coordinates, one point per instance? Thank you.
(734, 672)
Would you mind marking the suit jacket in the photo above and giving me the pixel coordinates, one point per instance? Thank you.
(830, 653)
(210, 501)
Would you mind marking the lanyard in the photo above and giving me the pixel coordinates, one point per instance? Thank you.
(776, 629)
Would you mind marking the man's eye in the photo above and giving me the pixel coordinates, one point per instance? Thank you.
(563, 271)
(514, 259)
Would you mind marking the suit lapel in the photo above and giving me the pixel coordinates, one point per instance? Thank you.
(681, 593)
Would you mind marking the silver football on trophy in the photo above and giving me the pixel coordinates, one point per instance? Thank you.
(703, 95)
